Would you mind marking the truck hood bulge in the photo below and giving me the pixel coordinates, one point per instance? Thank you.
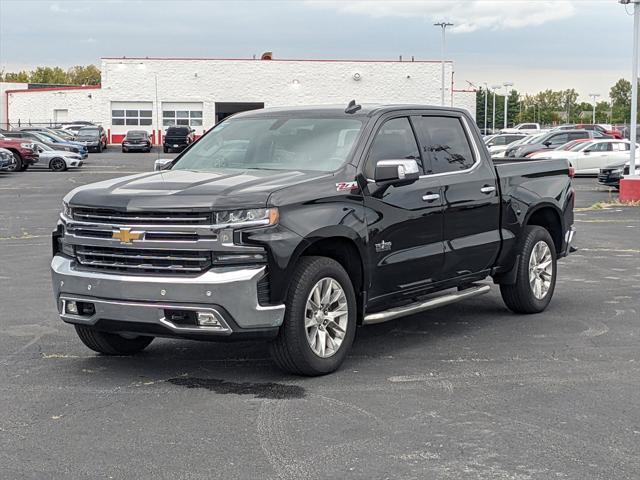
(187, 189)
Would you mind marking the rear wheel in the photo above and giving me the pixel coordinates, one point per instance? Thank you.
(57, 164)
(111, 343)
(165, 149)
(320, 319)
(536, 276)
(99, 147)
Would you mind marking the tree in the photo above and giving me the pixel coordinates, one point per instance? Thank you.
(620, 95)
(17, 77)
(79, 75)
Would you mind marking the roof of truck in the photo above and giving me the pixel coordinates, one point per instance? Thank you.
(339, 110)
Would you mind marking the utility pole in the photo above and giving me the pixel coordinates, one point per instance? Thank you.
(443, 26)
(486, 101)
(506, 100)
(593, 97)
(493, 122)
(634, 84)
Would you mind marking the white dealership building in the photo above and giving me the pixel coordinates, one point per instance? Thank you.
(154, 93)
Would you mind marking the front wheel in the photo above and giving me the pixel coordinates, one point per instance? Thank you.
(111, 343)
(536, 276)
(99, 149)
(17, 165)
(320, 319)
(57, 165)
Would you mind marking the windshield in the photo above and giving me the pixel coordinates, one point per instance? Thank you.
(534, 139)
(136, 134)
(43, 147)
(318, 144)
(87, 133)
(50, 137)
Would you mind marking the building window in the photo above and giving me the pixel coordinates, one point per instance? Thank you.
(189, 118)
(131, 117)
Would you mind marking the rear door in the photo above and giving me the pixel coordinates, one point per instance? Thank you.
(404, 222)
(470, 193)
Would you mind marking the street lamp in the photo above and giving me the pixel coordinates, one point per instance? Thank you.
(593, 97)
(506, 101)
(634, 84)
(493, 121)
(486, 100)
(443, 26)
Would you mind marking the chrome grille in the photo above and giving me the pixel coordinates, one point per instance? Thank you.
(108, 216)
(144, 260)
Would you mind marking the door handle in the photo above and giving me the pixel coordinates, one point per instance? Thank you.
(488, 189)
(431, 197)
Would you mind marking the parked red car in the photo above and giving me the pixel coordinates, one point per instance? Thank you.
(599, 128)
(22, 150)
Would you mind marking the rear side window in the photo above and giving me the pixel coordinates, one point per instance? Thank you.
(446, 143)
(577, 135)
(394, 141)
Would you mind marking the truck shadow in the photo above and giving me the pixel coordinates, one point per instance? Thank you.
(169, 359)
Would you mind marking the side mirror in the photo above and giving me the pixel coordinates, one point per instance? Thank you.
(588, 151)
(397, 172)
(547, 143)
(162, 164)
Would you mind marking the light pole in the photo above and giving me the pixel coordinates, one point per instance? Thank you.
(634, 84)
(486, 101)
(443, 26)
(593, 97)
(493, 121)
(506, 100)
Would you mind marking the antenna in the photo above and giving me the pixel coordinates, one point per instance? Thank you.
(353, 107)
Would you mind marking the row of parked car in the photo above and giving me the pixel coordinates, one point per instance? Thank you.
(58, 148)
(591, 149)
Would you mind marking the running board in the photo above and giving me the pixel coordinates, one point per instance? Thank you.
(417, 307)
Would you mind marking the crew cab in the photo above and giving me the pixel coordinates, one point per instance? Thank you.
(297, 225)
(24, 153)
(177, 138)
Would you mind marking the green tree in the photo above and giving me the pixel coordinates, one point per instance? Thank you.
(17, 77)
(54, 75)
(620, 95)
(80, 75)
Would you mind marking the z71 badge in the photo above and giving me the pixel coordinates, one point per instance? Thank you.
(346, 186)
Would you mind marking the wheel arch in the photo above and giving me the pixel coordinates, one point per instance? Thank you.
(549, 217)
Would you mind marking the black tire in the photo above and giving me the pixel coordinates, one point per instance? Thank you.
(111, 343)
(105, 145)
(520, 298)
(57, 164)
(99, 148)
(17, 165)
(165, 149)
(291, 350)
(124, 150)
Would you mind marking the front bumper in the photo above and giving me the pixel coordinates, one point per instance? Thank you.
(610, 177)
(142, 304)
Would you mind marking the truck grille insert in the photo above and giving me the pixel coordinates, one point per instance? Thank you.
(143, 261)
(114, 217)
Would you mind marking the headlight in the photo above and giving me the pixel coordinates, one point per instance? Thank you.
(27, 145)
(66, 210)
(247, 217)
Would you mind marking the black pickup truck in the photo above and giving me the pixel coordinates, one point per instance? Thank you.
(297, 225)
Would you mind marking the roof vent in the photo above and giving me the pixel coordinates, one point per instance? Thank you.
(267, 56)
(353, 107)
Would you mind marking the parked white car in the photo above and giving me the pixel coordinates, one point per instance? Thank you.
(57, 160)
(587, 158)
(498, 143)
(523, 128)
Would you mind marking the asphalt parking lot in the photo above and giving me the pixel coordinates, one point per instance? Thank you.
(467, 391)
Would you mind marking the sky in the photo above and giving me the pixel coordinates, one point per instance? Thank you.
(536, 44)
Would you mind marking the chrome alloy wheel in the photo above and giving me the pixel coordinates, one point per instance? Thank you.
(326, 317)
(540, 270)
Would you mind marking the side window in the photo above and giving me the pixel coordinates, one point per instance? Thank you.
(559, 139)
(577, 135)
(446, 142)
(601, 147)
(394, 141)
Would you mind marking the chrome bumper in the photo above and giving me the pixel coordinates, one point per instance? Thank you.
(229, 293)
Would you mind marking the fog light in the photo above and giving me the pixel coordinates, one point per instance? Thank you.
(71, 307)
(208, 319)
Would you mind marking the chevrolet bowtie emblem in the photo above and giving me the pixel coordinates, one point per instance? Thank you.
(125, 235)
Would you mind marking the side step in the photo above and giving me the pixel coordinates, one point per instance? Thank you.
(417, 307)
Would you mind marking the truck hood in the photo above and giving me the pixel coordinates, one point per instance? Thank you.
(187, 189)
